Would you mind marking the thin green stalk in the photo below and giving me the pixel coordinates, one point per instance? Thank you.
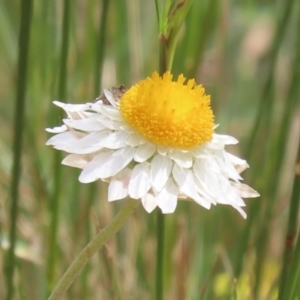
(287, 284)
(289, 109)
(99, 58)
(293, 214)
(160, 236)
(200, 24)
(24, 38)
(62, 78)
(114, 288)
(267, 98)
(261, 126)
(85, 287)
(273, 169)
(234, 293)
(157, 13)
(163, 61)
(163, 55)
(122, 45)
(167, 23)
(160, 225)
(292, 288)
(85, 255)
(100, 47)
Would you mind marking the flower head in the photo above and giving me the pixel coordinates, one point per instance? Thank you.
(153, 142)
(168, 112)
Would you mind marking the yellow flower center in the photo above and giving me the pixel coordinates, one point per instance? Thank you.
(169, 113)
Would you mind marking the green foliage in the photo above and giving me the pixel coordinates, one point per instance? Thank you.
(245, 53)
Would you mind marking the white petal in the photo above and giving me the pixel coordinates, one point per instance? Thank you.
(110, 98)
(128, 128)
(144, 151)
(139, 183)
(110, 123)
(241, 211)
(90, 172)
(62, 140)
(76, 115)
(239, 164)
(182, 158)
(106, 164)
(212, 164)
(203, 191)
(95, 106)
(236, 160)
(161, 167)
(228, 196)
(58, 129)
(187, 186)
(115, 140)
(224, 139)
(72, 107)
(226, 166)
(200, 152)
(208, 179)
(112, 113)
(167, 198)
(214, 146)
(118, 187)
(163, 150)
(135, 140)
(90, 143)
(244, 190)
(149, 202)
(86, 124)
(75, 160)
(241, 169)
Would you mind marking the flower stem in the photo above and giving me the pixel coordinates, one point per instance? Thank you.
(55, 197)
(163, 55)
(100, 47)
(24, 37)
(160, 225)
(94, 245)
(160, 234)
(291, 255)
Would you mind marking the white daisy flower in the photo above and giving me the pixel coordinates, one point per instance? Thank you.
(153, 142)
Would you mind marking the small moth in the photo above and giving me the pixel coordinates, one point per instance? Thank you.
(117, 92)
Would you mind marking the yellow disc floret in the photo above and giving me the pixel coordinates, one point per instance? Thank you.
(169, 113)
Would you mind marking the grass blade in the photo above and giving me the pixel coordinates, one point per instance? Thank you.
(24, 39)
(55, 198)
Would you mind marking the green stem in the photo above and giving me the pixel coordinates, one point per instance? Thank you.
(99, 59)
(163, 55)
(160, 231)
(267, 98)
(292, 288)
(290, 107)
(259, 213)
(62, 78)
(24, 37)
(160, 226)
(291, 257)
(157, 13)
(100, 239)
(160, 234)
(100, 47)
(273, 170)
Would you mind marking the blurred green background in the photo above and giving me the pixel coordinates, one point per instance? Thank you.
(245, 53)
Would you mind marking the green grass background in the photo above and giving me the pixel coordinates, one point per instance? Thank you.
(245, 53)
